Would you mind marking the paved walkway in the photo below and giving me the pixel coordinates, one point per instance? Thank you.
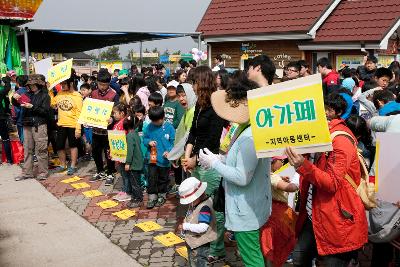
(140, 246)
(38, 230)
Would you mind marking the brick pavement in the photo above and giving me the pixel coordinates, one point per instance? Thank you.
(138, 244)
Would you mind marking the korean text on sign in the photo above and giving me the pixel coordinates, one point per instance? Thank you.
(59, 72)
(289, 114)
(118, 146)
(96, 113)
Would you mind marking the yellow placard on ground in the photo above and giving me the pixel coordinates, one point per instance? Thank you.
(169, 239)
(183, 252)
(80, 185)
(149, 226)
(107, 204)
(92, 193)
(59, 72)
(118, 146)
(96, 113)
(289, 114)
(71, 180)
(124, 214)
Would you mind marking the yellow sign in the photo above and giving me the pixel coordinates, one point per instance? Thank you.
(92, 193)
(71, 180)
(124, 214)
(183, 252)
(352, 61)
(289, 114)
(149, 226)
(118, 146)
(111, 65)
(96, 113)
(169, 239)
(59, 72)
(107, 204)
(80, 185)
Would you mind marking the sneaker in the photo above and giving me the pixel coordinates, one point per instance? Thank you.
(98, 176)
(21, 178)
(116, 196)
(134, 204)
(122, 197)
(174, 189)
(41, 177)
(109, 180)
(160, 201)
(72, 170)
(151, 203)
(59, 169)
(215, 259)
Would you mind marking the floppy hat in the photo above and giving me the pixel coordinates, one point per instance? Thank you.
(190, 190)
(230, 109)
(35, 79)
(172, 83)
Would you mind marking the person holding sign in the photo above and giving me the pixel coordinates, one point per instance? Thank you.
(332, 221)
(246, 179)
(99, 136)
(69, 105)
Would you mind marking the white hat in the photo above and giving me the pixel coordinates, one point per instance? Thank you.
(173, 83)
(190, 190)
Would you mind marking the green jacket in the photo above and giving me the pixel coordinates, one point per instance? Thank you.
(134, 156)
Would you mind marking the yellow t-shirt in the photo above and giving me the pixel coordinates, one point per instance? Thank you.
(69, 105)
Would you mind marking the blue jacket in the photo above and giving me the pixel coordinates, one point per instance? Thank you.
(164, 136)
(115, 85)
(247, 185)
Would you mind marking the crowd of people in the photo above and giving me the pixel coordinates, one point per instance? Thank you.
(194, 126)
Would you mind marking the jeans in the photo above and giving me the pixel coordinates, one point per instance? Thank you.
(158, 179)
(306, 250)
(5, 138)
(126, 183)
(100, 145)
(20, 130)
(198, 256)
(134, 178)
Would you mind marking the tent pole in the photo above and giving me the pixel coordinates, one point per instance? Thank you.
(141, 55)
(26, 50)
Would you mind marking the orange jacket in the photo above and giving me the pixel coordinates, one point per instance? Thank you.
(338, 215)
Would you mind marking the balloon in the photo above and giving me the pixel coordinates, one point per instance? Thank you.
(196, 57)
(203, 56)
(195, 50)
(199, 53)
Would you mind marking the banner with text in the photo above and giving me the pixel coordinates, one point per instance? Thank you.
(118, 146)
(289, 114)
(96, 113)
(59, 72)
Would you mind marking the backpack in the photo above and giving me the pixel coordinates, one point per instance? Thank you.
(365, 190)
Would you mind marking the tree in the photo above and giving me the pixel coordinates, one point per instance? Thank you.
(166, 52)
(177, 52)
(112, 53)
(155, 50)
(146, 51)
(129, 56)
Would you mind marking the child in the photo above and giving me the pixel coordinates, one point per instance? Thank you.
(86, 91)
(134, 162)
(119, 114)
(139, 111)
(159, 137)
(173, 109)
(277, 235)
(199, 226)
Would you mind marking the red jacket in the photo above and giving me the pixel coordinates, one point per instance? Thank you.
(333, 78)
(338, 215)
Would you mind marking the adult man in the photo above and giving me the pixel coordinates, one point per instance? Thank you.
(261, 70)
(331, 79)
(332, 221)
(100, 137)
(219, 63)
(367, 71)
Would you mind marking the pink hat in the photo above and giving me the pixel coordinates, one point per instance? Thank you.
(11, 73)
(279, 157)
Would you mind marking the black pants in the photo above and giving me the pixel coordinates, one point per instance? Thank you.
(178, 174)
(5, 138)
(134, 178)
(158, 179)
(100, 146)
(382, 254)
(306, 250)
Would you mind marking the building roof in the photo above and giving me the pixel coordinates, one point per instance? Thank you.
(355, 20)
(238, 17)
(78, 55)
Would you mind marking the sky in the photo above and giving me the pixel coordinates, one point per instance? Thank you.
(167, 16)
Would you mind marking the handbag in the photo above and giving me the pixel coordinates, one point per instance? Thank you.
(383, 222)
